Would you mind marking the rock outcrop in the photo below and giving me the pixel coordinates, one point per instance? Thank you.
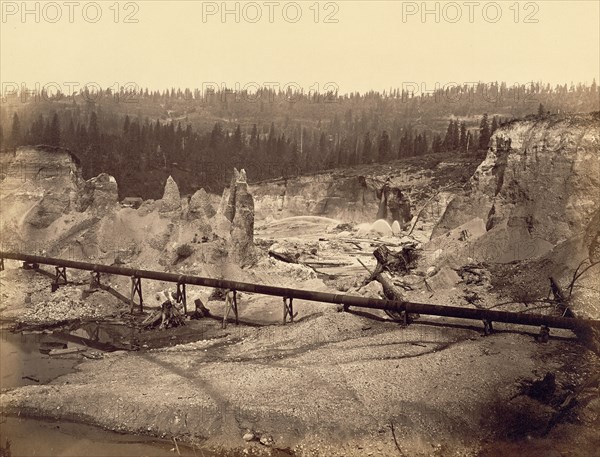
(359, 194)
(538, 186)
(229, 195)
(99, 194)
(171, 200)
(200, 206)
(394, 205)
(41, 183)
(241, 245)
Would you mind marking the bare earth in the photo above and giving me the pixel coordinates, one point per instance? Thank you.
(333, 383)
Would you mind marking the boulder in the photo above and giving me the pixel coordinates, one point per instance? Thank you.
(446, 278)
(456, 246)
(396, 230)
(382, 227)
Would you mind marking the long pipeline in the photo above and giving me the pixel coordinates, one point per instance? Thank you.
(325, 297)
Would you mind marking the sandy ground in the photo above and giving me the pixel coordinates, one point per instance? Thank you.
(331, 384)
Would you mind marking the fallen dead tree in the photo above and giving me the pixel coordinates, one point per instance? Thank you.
(168, 316)
(392, 262)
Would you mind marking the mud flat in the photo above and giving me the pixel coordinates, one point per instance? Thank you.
(74, 440)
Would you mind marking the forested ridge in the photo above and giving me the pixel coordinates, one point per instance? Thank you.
(141, 137)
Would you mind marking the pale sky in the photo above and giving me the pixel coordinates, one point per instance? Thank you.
(371, 46)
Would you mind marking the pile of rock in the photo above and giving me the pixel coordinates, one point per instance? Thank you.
(64, 305)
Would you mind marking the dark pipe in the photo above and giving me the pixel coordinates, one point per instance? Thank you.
(360, 302)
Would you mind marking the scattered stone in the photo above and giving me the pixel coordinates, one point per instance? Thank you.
(266, 440)
(541, 389)
(431, 271)
(248, 436)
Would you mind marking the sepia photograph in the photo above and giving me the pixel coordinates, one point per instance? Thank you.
(351, 228)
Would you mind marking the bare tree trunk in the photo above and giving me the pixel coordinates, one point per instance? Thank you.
(387, 260)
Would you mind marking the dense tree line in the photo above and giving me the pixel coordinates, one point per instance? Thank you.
(198, 137)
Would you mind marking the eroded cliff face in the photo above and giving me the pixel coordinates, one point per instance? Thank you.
(367, 192)
(39, 185)
(349, 198)
(45, 200)
(539, 186)
(48, 209)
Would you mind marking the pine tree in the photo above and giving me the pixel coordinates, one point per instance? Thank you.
(436, 145)
(15, 132)
(70, 136)
(254, 137)
(406, 147)
(46, 133)
(36, 131)
(322, 150)
(455, 136)
(449, 138)
(470, 141)
(237, 139)
(484, 133)
(540, 111)
(384, 147)
(272, 140)
(54, 133)
(216, 136)
(463, 137)
(93, 131)
(367, 145)
(494, 125)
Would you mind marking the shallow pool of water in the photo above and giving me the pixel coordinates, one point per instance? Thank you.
(22, 363)
(38, 438)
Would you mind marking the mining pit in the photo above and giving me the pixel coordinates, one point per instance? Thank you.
(85, 371)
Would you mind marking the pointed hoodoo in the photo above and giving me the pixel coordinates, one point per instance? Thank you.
(242, 227)
(229, 210)
(171, 200)
(200, 206)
